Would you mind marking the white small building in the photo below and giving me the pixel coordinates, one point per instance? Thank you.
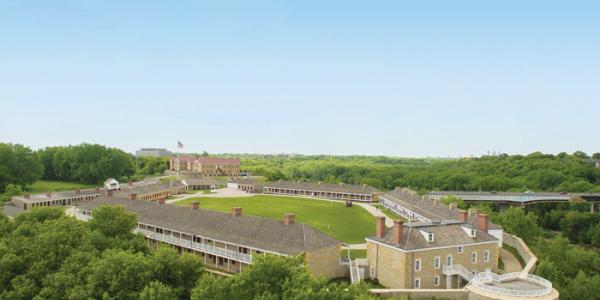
(111, 184)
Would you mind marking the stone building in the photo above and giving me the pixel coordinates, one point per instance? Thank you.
(431, 255)
(28, 201)
(206, 166)
(348, 192)
(228, 242)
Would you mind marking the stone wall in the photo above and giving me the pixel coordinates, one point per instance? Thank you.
(326, 262)
(413, 294)
(517, 243)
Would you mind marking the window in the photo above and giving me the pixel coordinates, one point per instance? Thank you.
(418, 265)
(436, 280)
(436, 262)
(473, 232)
(449, 260)
(486, 255)
(430, 236)
(460, 249)
(473, 257)
(418, 283)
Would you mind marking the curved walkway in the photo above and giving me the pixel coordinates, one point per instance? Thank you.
(511, 263)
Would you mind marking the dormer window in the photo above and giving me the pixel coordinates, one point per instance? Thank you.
(472, 232)
(427, 235)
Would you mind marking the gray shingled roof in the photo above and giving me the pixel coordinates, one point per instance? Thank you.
(57, 195)
(325, 187)
(428, 208)
(148, 189)
(11, 211)
(249, 231)
(445, 235)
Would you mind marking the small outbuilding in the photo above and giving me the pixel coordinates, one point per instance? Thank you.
(111, 184)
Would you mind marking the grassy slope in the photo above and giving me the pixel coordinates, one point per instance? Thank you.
(42, 186)
(349, 225)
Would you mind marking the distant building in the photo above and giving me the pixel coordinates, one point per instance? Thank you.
(28, 201)
(111, 184)
(206, 166)
(153, 152)
(197, 184)
(339, 191)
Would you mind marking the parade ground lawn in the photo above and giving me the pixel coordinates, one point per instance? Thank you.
(347, 224)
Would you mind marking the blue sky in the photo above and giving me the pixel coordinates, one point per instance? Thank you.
(433, 78)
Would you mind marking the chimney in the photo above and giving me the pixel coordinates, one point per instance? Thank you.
(132, 196)
(195, 205)
(27, 195)
(379, 227)
(472, 211)
(463, 215)
(49, 194)
(483, 222)
(77, 191)
(451, 205)
(97, 190)
(398, 231)
(161, 201)
(288, 219)
(364, 186)
(434, 202)
(109, 193)
(236, 211)
(130, 183)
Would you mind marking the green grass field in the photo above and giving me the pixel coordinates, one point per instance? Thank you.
(42, 186)
(348, 225)
(354, 253)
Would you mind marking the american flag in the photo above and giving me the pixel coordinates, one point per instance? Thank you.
(179, 145)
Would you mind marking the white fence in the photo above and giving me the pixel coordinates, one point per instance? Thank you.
(484, 281)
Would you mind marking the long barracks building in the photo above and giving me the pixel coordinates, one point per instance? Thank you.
(228, 242)
(340, 191)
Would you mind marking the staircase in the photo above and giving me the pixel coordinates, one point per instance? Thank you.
(355, 273)
(458, 270)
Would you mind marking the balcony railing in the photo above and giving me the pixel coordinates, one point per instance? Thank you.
(484, 281)
(196, 246)
(458, 270)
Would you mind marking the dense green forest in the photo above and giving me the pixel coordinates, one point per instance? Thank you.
(86, 163)
(536, 171)
(47, 255)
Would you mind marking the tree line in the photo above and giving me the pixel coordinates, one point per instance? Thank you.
(536, 171)
(47, 255)
(84, 163)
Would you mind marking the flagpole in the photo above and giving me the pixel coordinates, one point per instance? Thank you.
(178, 163)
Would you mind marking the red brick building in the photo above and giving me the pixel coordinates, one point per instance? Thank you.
(207, 166)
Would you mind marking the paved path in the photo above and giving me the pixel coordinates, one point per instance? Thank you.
(218, 193)
(356, 246)
(511, 264)
(376, 212)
